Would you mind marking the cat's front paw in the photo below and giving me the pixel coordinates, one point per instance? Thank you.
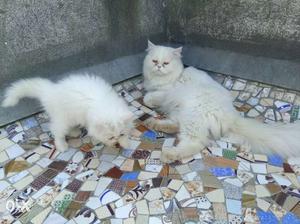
(150, 123)
(165, 126)
(149, 101)
(61, 146)
(169, 156)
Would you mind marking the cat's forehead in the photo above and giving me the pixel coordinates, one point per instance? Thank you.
(161, 53)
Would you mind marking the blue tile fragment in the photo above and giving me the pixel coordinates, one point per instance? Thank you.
(29, 123)
(267, 217)
(222, 171)
(127, 153)
(290, 218)
(234, 206)
(151, 135)
(275, 160)
(130, 176)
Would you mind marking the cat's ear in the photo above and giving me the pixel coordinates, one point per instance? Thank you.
(177, 51)
(150, 45)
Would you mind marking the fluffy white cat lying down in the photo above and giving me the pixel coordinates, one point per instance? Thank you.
(77, 100)
(202, 110)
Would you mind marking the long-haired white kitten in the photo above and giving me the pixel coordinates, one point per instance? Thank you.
(202, 110)
(83, 100)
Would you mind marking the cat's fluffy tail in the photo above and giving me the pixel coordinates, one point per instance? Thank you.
(32, 88)
(282, 139)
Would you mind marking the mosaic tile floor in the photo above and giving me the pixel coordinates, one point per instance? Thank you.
(91, 183)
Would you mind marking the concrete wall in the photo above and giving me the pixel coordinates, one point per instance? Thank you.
(52, 36)
(258, 27)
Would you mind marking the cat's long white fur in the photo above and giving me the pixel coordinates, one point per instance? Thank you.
(203, 109)
(32, 88)
(84, 100)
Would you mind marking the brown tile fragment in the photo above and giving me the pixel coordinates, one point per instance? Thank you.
(165, 171)
(220, 162)
(114, 173)
(273, 188)
(280, 198)
(142, 128)
(287, 168)
(82, 196)
(50, 173)
(220, 211)
(248, 201)
(141, 154)
(130, 185)
(58, 165)
(245, 108)
(144, 117)
(117, 186)
(86, 147)
(72, 209)
(147, 145)
(189, 214)
(136, 166)
(16, 166)
(40, 182)
(296, 210)
(74, 185)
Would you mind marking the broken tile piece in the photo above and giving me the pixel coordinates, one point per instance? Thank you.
(14, 151)
(234, 206)
(126, 211)
(267, 217)
(108, 196)
(153, 194)
(104, 212)
(114, 173)
(220, 211)
(175, 184)
(259, 168)
(142, 207)
(156, 207)
(262, 191)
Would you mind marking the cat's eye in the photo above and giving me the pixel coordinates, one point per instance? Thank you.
(122, 134)
(111, 138)
(155, 61)
(166, 63)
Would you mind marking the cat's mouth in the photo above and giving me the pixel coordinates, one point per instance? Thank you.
(159, 71)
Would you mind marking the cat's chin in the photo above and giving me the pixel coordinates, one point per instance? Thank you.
(158, 73)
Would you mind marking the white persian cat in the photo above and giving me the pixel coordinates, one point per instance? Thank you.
(202, 110)
(77, 100)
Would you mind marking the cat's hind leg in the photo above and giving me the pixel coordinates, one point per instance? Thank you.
(164, 125)
(59, 131)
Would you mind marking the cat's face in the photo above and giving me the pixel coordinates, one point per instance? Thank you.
(113, 133)
(162, 60)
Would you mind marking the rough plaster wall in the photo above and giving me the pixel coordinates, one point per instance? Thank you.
(267, 23)
(37, 34)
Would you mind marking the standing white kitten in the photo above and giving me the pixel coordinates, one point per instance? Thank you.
(77, 100)
(202, 110)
